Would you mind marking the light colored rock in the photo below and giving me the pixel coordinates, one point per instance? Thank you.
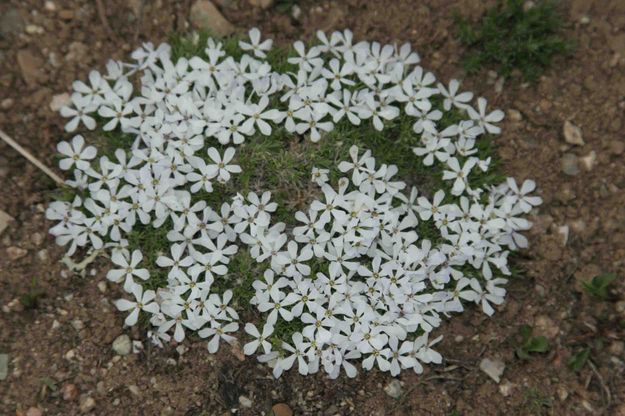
(87, 404)
(122, 345)
(282, 409)
(515, 115)
(59, 101)
(4, 366)
(570, 164)
(563, 231)
(31, 67)
(588, 161)
(394, 389)
(4, 220)
(245, 402)
(50, 6)
(69, 392)
(134, 390)
(493, 368)
(572, 134)
(545, 326)
(506, 388)
(296, 12)
(15, 253)
(7, 103)
(33, 30)
(34, 411)
(204, 15)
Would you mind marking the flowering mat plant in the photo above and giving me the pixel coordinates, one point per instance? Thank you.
(324, 207)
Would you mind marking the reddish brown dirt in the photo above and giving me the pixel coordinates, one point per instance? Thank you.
(588, 89)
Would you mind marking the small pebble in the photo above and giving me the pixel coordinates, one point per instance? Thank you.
(34, 411)
(59, 101)
(122, 345)
(515, 115)
(245, 402)
(7, 103)
(506, 388)
(282, 409)
(15, 253)
(42, 255)
(570, 164)
(493, 368)
(572, 134)
(134, 390)
(588, 161)
(87, 405)
(69, 392)
(33, 29)
(394, 389)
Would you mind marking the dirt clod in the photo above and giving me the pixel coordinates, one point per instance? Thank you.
(282, 409)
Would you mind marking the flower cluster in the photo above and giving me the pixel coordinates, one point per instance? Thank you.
(353, 274)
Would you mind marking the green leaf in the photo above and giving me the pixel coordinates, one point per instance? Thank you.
(578, 360)
(538, 344)
(530, 344)
(599, 285)
(50, 383)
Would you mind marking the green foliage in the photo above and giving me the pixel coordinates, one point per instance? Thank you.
(511, 36)
(599, 286)
(579, 359)
(30, 300)
(530, 344)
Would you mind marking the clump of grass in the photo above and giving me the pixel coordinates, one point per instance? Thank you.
(514, 36)
(530, 344)
(30, 300)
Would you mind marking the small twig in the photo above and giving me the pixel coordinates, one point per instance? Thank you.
(605, 388)
(103, 19)
(8, 140)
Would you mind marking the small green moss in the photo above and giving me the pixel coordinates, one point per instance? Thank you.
(513, 36)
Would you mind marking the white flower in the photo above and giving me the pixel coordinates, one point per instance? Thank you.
(84, 105)
(256, 46)
(486, 120)
(259, 339)
(218, 332)
(144, 301)
(222, 165)
(128, 269)
(452, 97)
(76, 153)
